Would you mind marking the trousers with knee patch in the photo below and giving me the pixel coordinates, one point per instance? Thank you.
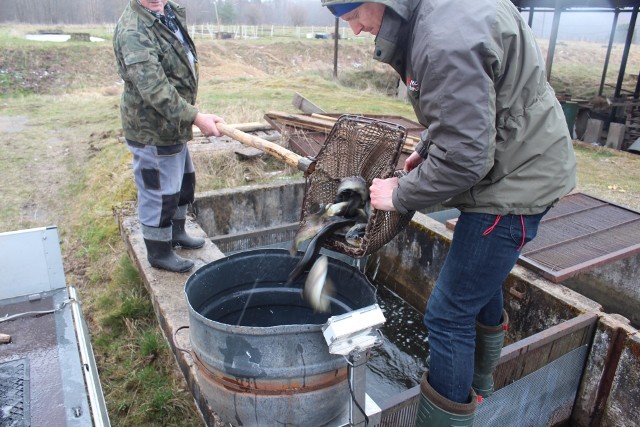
(165, 178)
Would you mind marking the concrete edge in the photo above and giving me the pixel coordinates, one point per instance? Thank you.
(166, 290)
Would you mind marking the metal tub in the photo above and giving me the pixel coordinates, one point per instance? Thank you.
(261, 356)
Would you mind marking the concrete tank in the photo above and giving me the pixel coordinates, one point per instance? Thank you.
(261, 356)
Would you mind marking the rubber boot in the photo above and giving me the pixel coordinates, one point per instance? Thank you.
(435, 410)
(161, 255)
(489, 342)
(180, 238)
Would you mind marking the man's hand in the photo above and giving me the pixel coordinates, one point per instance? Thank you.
(381, 192)
(207, 124)
(412, 161)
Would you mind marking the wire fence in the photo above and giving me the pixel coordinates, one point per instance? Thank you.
(214, 31)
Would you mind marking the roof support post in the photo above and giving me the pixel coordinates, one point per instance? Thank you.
(553, 37)
(612, 36)
(623, 64)
(530, 19)
(625, 53)
(336, 36)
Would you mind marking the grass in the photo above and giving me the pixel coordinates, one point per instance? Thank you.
(609, 175)
(63, 164)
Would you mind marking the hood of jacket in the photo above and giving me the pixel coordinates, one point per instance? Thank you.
(392, 30)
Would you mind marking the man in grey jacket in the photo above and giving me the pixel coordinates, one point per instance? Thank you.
(158, 62)
(496, 147)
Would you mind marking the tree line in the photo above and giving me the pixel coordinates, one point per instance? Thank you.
(224, 12)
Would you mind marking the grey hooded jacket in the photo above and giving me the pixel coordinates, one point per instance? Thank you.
(496, 141)
(159, 84)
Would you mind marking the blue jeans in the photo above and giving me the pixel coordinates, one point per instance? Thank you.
(484, 249)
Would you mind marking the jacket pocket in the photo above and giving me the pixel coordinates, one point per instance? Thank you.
(136, 57)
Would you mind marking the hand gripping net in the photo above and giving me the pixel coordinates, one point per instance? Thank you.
(357, 146)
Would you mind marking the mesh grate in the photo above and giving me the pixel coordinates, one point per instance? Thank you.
(542, 398)
(14, 393)
(357, 146)
(581, 232)
(256, 239)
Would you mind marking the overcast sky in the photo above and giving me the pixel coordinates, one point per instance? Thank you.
(591, 26)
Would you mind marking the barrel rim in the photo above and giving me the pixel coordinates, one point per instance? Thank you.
(259, 330)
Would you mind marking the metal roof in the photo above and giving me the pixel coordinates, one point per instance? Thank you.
(575, 4)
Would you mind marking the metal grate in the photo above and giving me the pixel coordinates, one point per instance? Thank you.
(542, 398)
(14, 393)
(230, 243)
(580, 233)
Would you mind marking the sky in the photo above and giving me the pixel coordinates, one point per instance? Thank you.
(588, 26)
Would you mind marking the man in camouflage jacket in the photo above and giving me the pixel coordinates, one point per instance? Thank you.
(158, 63)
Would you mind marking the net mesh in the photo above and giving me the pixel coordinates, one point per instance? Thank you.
(357, 146)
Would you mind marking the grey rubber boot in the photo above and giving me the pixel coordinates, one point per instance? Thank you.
(489, 342)
(435, 410)
(161, 255)
(180, 238)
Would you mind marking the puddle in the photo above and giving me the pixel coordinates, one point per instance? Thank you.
(13, 123)
(56, 38)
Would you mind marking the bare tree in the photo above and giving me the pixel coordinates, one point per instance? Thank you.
(298, 15)
(253, 14)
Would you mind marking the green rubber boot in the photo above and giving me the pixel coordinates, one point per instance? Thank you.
(161, 255)
(437, 411)
(489, 342)
(180, 238)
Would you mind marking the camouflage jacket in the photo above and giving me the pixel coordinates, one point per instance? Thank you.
(157, 106)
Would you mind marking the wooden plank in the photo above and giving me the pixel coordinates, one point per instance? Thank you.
(304, 105)
(615, 136)
(410, 138)
(318, 123)
(594, 131)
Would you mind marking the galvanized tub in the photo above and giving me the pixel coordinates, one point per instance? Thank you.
(262, 359)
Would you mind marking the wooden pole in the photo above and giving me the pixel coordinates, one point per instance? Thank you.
(304, 164)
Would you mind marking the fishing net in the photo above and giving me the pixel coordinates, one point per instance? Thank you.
(357, 146)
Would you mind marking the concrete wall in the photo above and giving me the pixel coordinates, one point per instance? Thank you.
(616, 286)
(234, 210)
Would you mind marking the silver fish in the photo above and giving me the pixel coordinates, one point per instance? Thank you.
(355, 234)
(315, 222)
(352, 189)
(313, 250)
(350, 184)
(318, 289)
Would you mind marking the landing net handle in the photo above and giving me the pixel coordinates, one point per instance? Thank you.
(357, 146)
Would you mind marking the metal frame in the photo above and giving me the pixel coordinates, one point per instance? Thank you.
(516, 361)
(560, 275)
(98, 405)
